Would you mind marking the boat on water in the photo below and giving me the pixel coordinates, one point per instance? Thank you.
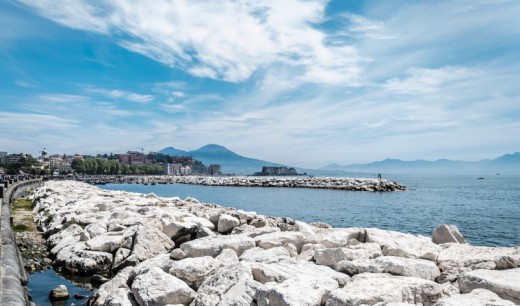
(480, 178)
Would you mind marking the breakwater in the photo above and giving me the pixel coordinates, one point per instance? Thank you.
(162, 251)
(13, 276)
(337, 183)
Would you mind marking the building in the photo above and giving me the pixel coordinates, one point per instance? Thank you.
(3, 155)
(214, 169)
(176, 169)
(132, 158)
(13, 158)
(277, 171)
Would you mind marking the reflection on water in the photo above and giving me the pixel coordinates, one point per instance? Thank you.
(41, 283)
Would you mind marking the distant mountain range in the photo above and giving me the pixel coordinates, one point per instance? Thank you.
(235, 163)
(229, 160)
(505, 164)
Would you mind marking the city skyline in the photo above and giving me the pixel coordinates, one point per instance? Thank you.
(302, 83)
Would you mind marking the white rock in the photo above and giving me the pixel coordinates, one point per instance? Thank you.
(403, 245)
(456, 259)
(306, 230)
(308, 251)
(246, 215)
(277, 239)
(292, 282)
(175, 229)
(229, 285)
(227, 223)
(331, 257)
(253, 231)
(108, 242)
(419, 268)
(446, 233)
(161, 261)
(109, 288)
(157, 287)
(505, 283)
(120, 256)
(149, 242)
(336, 237)
(121, 297)
(213, 245)
(177, 254)
(83, 262)
(477, 297)
(200, 221)
(193, 271)
(258, 254)
(373, 288)
(59, 293)
(227, 257)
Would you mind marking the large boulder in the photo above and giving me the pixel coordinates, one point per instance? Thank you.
(419, 268)
(227, 223)
(335, 237)
(374, 288)
(277, 239)
(121, 297)
(295, 282)
(213, 245)
(78, 261)
(157, 287)
(193, 271)
(229, 285)
(175, 229)
(260, 255)
(331, 257)
(446, 233)
(477, 297)
(108, 242)
(149, 242)
(403, 245)
(457, 259)
(505, 283)
(119, 281)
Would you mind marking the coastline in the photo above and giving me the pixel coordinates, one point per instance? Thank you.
(186, 248)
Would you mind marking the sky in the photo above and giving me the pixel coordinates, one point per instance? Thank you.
(299, 82)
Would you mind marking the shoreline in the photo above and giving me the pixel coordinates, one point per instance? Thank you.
(336, 183)
(186, 248)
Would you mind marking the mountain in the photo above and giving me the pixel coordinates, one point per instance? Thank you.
(229, 160)
(173, 152)
(505, 164)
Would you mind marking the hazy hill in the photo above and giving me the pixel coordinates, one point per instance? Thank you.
(505, 164)
(229, 160)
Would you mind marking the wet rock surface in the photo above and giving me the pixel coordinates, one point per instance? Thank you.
(152, 252)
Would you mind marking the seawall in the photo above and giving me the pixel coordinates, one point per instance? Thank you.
(13, 276)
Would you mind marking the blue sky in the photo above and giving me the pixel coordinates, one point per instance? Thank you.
(300, 82)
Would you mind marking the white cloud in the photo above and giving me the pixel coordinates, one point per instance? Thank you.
(121, 94)
(226, 40)
(424, 80)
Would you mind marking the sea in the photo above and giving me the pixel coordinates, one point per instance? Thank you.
(486, 210)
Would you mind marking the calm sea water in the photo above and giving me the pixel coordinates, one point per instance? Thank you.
(486, 211)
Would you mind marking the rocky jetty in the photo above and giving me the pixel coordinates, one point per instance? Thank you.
(160, 251)
(338, 183)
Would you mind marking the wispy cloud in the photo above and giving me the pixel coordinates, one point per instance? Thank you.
(121, 94)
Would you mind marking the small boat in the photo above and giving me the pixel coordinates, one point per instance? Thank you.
(480, 178)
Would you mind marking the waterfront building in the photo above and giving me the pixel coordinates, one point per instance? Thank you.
(3, 155)
(214, 169)
(277, 171)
